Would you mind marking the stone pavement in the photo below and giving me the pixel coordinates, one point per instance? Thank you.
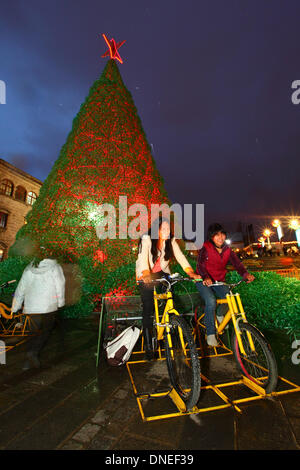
(67, 404)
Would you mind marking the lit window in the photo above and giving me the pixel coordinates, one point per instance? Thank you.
(20, 193)
(6, 187)
(31, 198)
(3, 219)
(1, 254)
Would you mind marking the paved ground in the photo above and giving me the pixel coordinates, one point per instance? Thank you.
(68, 404)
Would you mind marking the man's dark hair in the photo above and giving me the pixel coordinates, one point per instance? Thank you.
(213, 229)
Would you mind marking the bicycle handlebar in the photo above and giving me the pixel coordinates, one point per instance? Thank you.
(173, 278)
(5, 284)
(170, 279)
(217, 283)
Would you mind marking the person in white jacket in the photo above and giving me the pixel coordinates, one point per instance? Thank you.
(41, 290)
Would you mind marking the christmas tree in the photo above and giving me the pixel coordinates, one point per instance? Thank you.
(106, 156)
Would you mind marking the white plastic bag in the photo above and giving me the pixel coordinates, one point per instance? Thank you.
(119, 350)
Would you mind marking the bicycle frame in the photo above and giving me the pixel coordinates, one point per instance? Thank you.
(162, 326)
(3, 309)
(235, 313)
(21, 324)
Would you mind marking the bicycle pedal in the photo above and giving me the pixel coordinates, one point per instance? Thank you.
(146, 396)
(143, 396)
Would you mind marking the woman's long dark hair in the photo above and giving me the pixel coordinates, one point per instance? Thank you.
(153, 232)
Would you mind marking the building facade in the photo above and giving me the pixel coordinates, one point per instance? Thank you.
(18, 192)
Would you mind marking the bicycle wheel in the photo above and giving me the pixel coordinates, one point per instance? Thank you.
(258, 365)
(183, 365)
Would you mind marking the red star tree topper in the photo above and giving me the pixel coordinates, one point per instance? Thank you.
(113, 49)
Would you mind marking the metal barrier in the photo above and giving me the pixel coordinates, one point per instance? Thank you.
(117, 309)
(292, 272)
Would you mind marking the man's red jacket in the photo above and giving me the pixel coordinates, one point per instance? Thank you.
(212, 264)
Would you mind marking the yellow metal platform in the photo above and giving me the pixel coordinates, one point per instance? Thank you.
(214, 395)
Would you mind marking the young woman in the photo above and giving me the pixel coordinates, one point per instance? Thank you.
(211, 266)
(156, 249)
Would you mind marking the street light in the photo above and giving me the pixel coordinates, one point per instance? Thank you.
(277, 224)
(267, 234)
(295, 225)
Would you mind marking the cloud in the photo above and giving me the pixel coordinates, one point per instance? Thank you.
(220, 71)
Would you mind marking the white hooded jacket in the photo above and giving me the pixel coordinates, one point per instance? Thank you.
(41, 288)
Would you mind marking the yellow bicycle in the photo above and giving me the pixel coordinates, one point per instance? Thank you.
(5, 311)
(179, 346)
(15, 324)
(252, 352)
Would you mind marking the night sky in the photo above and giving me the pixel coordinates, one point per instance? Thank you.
(211, 80)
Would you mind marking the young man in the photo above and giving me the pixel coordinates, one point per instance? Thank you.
(211, 265)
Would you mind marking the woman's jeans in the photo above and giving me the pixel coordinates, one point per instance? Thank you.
(209, 295)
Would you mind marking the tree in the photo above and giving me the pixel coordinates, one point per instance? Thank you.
(106, 155)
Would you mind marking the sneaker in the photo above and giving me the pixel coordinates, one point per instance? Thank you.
(212, 340)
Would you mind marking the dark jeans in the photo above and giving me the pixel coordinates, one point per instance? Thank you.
(209, 295)
(45, 323)
(146, 291)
